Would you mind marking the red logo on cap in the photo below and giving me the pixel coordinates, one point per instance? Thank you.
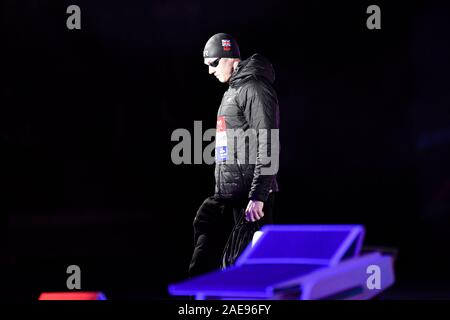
(226, 44)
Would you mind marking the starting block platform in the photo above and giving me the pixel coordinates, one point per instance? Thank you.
(304, 262)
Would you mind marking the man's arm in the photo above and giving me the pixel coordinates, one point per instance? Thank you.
(261, 112)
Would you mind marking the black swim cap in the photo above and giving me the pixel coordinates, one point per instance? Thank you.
(221, 45)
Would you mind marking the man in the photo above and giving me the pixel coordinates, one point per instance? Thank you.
(245, 181)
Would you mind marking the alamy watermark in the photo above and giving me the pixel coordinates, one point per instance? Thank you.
(229, 146)
(374, 279)
(74, 280)
(74, 20)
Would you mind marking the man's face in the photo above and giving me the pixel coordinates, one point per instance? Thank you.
(223, 70)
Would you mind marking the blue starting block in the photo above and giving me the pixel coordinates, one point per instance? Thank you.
(305, 262)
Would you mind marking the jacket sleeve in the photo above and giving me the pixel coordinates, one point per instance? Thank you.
(261, 112)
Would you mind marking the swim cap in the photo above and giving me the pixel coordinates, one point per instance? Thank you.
(221, 45)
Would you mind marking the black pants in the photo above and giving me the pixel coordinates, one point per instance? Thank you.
(213, 224)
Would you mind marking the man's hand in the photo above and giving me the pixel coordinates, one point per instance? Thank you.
(254, 211)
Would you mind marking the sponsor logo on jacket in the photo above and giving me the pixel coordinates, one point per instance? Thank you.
(221, 139)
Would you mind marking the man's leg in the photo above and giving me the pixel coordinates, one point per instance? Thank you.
(210, 235)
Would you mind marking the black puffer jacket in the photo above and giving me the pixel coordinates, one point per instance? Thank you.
(249, 104)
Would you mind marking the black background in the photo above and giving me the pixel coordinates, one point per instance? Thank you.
(87, 115)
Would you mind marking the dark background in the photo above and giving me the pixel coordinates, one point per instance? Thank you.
(87, 115)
